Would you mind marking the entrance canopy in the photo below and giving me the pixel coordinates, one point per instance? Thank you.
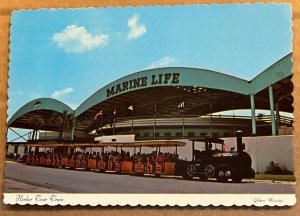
(41, 107)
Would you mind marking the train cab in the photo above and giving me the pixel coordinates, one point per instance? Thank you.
(215, 162)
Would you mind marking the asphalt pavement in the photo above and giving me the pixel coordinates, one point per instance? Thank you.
(33, 179)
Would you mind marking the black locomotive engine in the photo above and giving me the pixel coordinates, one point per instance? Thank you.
(216, 162)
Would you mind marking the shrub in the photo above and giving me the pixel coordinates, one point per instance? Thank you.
(277, 169)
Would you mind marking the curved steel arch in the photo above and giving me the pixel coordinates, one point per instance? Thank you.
(40, 104)
(199, 78)
(188, 77)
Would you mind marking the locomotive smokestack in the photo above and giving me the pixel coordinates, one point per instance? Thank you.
(239, 141)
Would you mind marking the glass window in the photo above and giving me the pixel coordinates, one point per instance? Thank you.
(203, 134)
(178, 134)
(191, 134)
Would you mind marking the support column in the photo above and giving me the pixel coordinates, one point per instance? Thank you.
(233, 117)
(272, 110)
(183, 125)
(253, 114)
(72, 134)
(211, 127)
(277, 117)
(193, 148)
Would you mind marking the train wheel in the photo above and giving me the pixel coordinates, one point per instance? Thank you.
(189, 171)
(209, 171)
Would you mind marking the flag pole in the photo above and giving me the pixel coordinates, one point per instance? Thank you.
(183, 122)
(101, 126)
(154, 129)
(114, 123)
(210, 119)
(181, 106)
(132, 122)
(96, 127)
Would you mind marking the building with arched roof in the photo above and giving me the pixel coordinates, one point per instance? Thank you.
(174, 102)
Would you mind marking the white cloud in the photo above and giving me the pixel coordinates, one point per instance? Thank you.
(135, 28)
(76, 39)
(163, 62)
(15, 93)
(72, 105)
(62, 92)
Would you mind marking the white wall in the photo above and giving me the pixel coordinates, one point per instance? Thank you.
(262, 150)
(265, 149)
(11, 149)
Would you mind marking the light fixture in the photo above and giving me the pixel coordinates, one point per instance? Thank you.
(37, 104)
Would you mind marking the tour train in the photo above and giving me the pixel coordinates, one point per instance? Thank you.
(212, 162)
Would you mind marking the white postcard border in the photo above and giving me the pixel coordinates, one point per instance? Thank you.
(53, 199)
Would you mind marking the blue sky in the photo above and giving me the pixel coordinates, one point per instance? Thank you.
(69, 54)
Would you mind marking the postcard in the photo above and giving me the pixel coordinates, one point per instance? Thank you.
(151, 106)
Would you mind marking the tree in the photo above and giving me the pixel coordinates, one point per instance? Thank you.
(64, 121)
(37, 123)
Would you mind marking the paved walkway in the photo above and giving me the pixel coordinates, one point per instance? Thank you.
(44, 179)
(19, 187)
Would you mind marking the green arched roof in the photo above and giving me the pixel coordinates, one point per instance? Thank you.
(276, 72)
(188, 77)
(200, 78)
(40, 104)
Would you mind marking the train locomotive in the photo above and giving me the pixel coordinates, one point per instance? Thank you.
(217, 163)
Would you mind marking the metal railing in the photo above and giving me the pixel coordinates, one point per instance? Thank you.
(192, 120)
